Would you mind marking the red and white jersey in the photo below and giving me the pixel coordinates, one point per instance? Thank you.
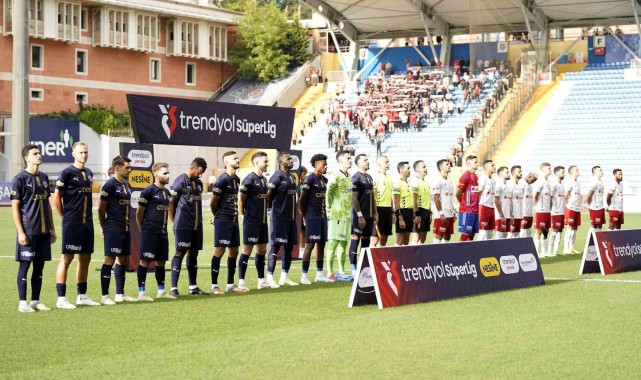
(505, 199)
(444, 188)
(528, 198)
(616, 189)
(486, 186)
(542, 187)
(597, 197)
(574, 188)
(558, 197)
(517, 190)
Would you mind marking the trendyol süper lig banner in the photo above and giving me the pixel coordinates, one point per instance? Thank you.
(395, 276)
(611, 252)
(174, 121)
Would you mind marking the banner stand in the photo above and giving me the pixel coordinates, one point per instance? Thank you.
(590, 262)
(609, 252)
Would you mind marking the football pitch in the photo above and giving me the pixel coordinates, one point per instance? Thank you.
(567, 328)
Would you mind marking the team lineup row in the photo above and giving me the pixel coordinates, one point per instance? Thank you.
(343, 210)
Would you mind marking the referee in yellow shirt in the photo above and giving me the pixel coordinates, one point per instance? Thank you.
(422, 201)
(383, 192)
(404, 205)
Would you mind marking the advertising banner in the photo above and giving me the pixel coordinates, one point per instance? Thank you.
(610, 252)
(410, 274)
(174, 121)
(54, 138)
(5, 192)
(142, 159)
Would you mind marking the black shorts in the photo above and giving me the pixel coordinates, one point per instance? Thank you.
(77, 238)
(117, 243)
(188, 240)
(284, 232)
(408, 218)
(316, 231)
(226, 234)
(37, 249)
(255, 233)
(384, 220)
(426, 220)
(369, 230)
(154, 246)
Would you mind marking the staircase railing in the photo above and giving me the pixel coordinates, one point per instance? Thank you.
(226, 85)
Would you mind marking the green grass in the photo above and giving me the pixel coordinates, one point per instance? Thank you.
(565, 328)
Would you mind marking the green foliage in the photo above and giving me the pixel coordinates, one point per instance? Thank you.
(98, 117)
(267, 45)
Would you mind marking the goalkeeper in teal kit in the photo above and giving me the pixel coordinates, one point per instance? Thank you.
(339, 200)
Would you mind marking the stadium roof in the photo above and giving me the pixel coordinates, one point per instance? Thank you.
(377, 19)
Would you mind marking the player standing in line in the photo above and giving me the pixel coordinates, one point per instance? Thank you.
(442, 203)
(252, 206)
(386, 214)
(224, 207)
(595, 200)
(557, 190)
(528, 206)
(313, 208)
(572, 210)
(339, 199)
(113, 215)
(185, 211)
(364, 212)
(422, 201)
(467, 194)
(502, 204)
(281, 196)
(487, 201)
(516, 191)
(33, 219)
(301, 232)
(403, 197)
(615, 200)
(73, 202)
(151, 217)
(543, 202)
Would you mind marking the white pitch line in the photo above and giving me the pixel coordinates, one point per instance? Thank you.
(592, 280)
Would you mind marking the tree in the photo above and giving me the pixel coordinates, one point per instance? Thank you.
(296, 42)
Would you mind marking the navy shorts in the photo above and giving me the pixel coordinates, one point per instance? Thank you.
(408, 218)
(316, 231)
(77, 238)
(255, 233)
(154, 246)
(226, 234)
(367, 231)
(117, 243)
(284, 232)
(188, 239)
(384, 220)
(38, 248)
(468, 223)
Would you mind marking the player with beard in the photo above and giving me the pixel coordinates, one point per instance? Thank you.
(595, 200)
(614, 200)
(516, 191)
(364, 214)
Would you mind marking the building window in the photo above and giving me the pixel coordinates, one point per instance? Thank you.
(189, 38)
(69, 21)
(118, 28)
(81, 62)
(147, 32)
(37, 57)
(36, 26)
(154, 70)
(190, 73)
(36, 94)
(7, 24)
(84, 19)
(82, 98)
(218, 43)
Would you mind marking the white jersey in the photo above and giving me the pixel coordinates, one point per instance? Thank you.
(616, 189)
(517, 191)
(505, 199)
(486, 187)
(443, 187)
(596, 203)
(557, 191)
(574, 188)
(542, 187)
(528, 198)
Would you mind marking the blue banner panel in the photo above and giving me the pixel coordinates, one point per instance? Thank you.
(5, 192)
(54, 138)
(173, 121)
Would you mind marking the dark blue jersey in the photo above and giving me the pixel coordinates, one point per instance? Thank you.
(226, 187)
(316, 188)
(255, 188)
(32, 190)
(187, 193)
(118, 197)
(156, 202)
(364, 188)
(75, 185)
(283, 187)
